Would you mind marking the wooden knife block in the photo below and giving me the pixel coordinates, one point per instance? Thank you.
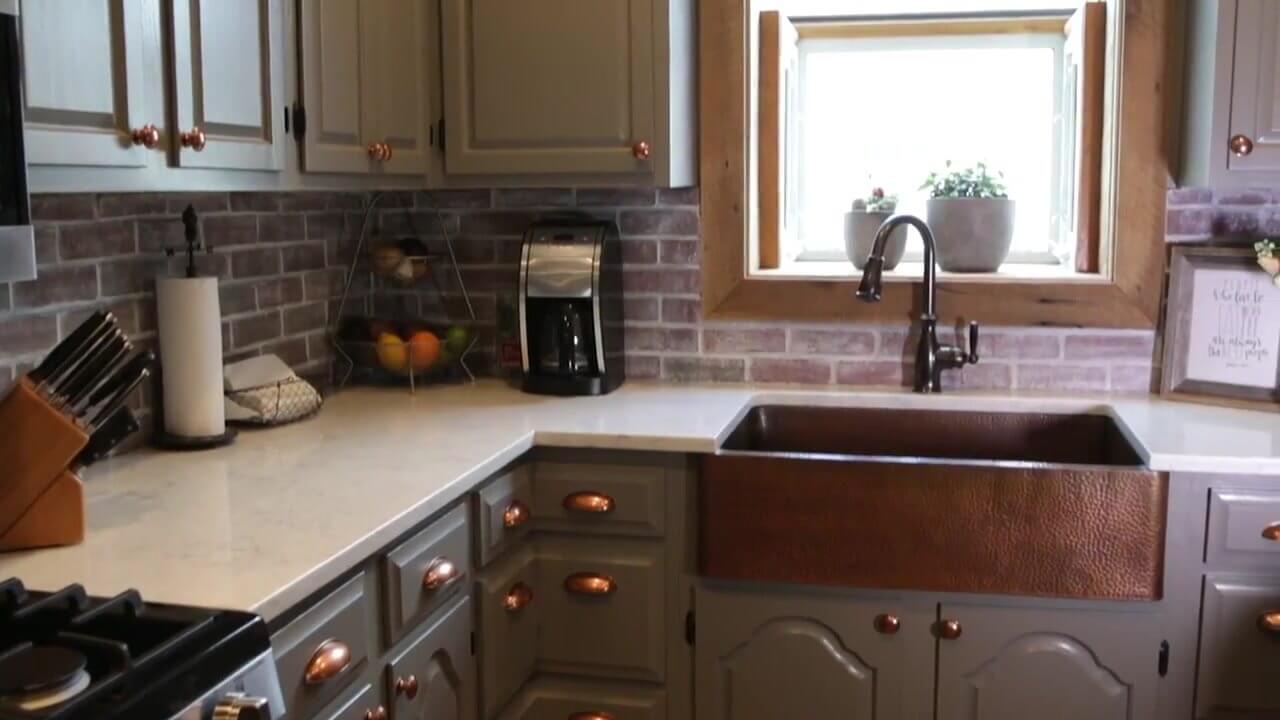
(41, 500)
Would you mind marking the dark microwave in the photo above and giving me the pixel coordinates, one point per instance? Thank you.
(17, 246)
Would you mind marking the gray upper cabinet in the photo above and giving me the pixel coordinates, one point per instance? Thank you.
(820, 655)
(84, 98)
(586, 88)
(1233, 94)
(1012, 663)
(365, 85)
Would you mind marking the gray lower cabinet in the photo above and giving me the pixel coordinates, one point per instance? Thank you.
(510, 597)
(434, 677)
(1048, 663)
(561, 699)
(361, 705)
(1239, 648)
(788, 654)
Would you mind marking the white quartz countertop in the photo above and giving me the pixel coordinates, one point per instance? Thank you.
(262, 524)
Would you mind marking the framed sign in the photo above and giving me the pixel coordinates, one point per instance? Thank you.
(1222, 335)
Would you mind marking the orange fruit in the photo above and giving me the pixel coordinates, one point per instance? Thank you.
(393, 353)
(424, 350)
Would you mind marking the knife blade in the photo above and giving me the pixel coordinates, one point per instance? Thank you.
(121, 385)
(82, 380)
(64, 350)
(57, 382)
(119, 425)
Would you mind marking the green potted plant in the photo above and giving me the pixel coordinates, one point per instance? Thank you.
(861, 223)
(971, 216)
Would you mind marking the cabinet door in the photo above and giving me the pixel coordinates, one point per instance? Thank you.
(228, 66)
(793, 655)
(548, 86)
(434, 678)
(1255, 87)
(396, 60)
(1239, 655)
(1050, 664)
(332, 87)
(82, 82)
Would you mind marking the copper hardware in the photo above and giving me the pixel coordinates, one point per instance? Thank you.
(440, 573)
(588, 502)
(381, 152)
(586, 583)
(407, 686)
(1270, 622)
(1272, 532)
(329, 660)
(949, 629)
(887, 624)
(1241, 145)
(641, 150)
(378, 713)
(516, 514)
(386, 152)
(193, 138)
(148, 136)
(591, 715)
(517, 597)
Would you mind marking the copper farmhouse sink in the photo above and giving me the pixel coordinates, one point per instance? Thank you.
(1018, 503)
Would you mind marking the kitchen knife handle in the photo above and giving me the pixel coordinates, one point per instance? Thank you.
(119, 425)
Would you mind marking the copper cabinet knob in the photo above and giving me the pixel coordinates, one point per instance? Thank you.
(588, 583)
(386, 152)
(1272, 532)
(148, 136)
(407, 686)
(1241, 145)
(949, 629)
(887, 624)
(1270, 622)
(380, 151)
(518, 596)
(516, 514)
(588, 502)
(591, 715)
(329, 661)
(378, 713)
(441, 572)
(641, 150)
(193, 139)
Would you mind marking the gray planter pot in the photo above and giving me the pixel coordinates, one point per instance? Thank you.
(973, 234)
(860, 229)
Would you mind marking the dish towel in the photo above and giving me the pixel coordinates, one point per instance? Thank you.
(263, 390)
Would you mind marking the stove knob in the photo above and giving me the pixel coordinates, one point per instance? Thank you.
(238, 706)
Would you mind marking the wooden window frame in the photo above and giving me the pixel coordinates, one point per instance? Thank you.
(1136, 160)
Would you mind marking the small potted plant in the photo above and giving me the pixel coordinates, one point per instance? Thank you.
(860, 226)
(971, 216)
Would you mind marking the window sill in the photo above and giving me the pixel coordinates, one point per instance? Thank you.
(908, 271)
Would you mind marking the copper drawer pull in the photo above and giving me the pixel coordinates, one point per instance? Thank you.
(589, 502)
(517, 597)
(1241, 145)
(641, 150)
(586, 583)
(148, 136)
(591, 715)
(407, 686)
(378, 713)
(1272, 532)
(441, 572)
(194, 139)
(516, 514)
(1270, 622)
(887, 624)
(329, 661)
(949, 629)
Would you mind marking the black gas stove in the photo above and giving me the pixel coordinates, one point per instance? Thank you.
(68, 656)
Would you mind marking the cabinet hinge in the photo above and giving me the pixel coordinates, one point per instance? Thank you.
(1162, 663)
(299, 121)
(690, 627)
(440, 134)
(473, 642)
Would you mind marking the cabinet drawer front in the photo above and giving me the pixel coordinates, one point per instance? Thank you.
(435, 676)
(364, 701)
(427, 570)
(504, 510)
(1242, 524)
(564, 700)
(509, 597)
(605, 610)
(1239, 659)
(617, 499)
(310, 650)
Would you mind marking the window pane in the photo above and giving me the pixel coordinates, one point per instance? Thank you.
(889, 113)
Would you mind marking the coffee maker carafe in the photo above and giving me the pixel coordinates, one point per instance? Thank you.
(571, 307)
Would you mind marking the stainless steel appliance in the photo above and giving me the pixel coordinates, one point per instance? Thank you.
(67, 656)
(571, 307)
(17, 239)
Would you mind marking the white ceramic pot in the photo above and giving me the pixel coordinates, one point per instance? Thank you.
(860, 228)
(973, 234)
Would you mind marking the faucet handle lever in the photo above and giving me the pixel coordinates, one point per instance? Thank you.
(973, 343)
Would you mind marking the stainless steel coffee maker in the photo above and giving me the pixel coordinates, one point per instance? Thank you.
(571, 307)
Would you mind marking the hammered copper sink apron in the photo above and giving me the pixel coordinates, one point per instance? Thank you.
(1017, 503)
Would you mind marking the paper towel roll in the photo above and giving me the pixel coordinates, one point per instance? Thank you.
(191, 356)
